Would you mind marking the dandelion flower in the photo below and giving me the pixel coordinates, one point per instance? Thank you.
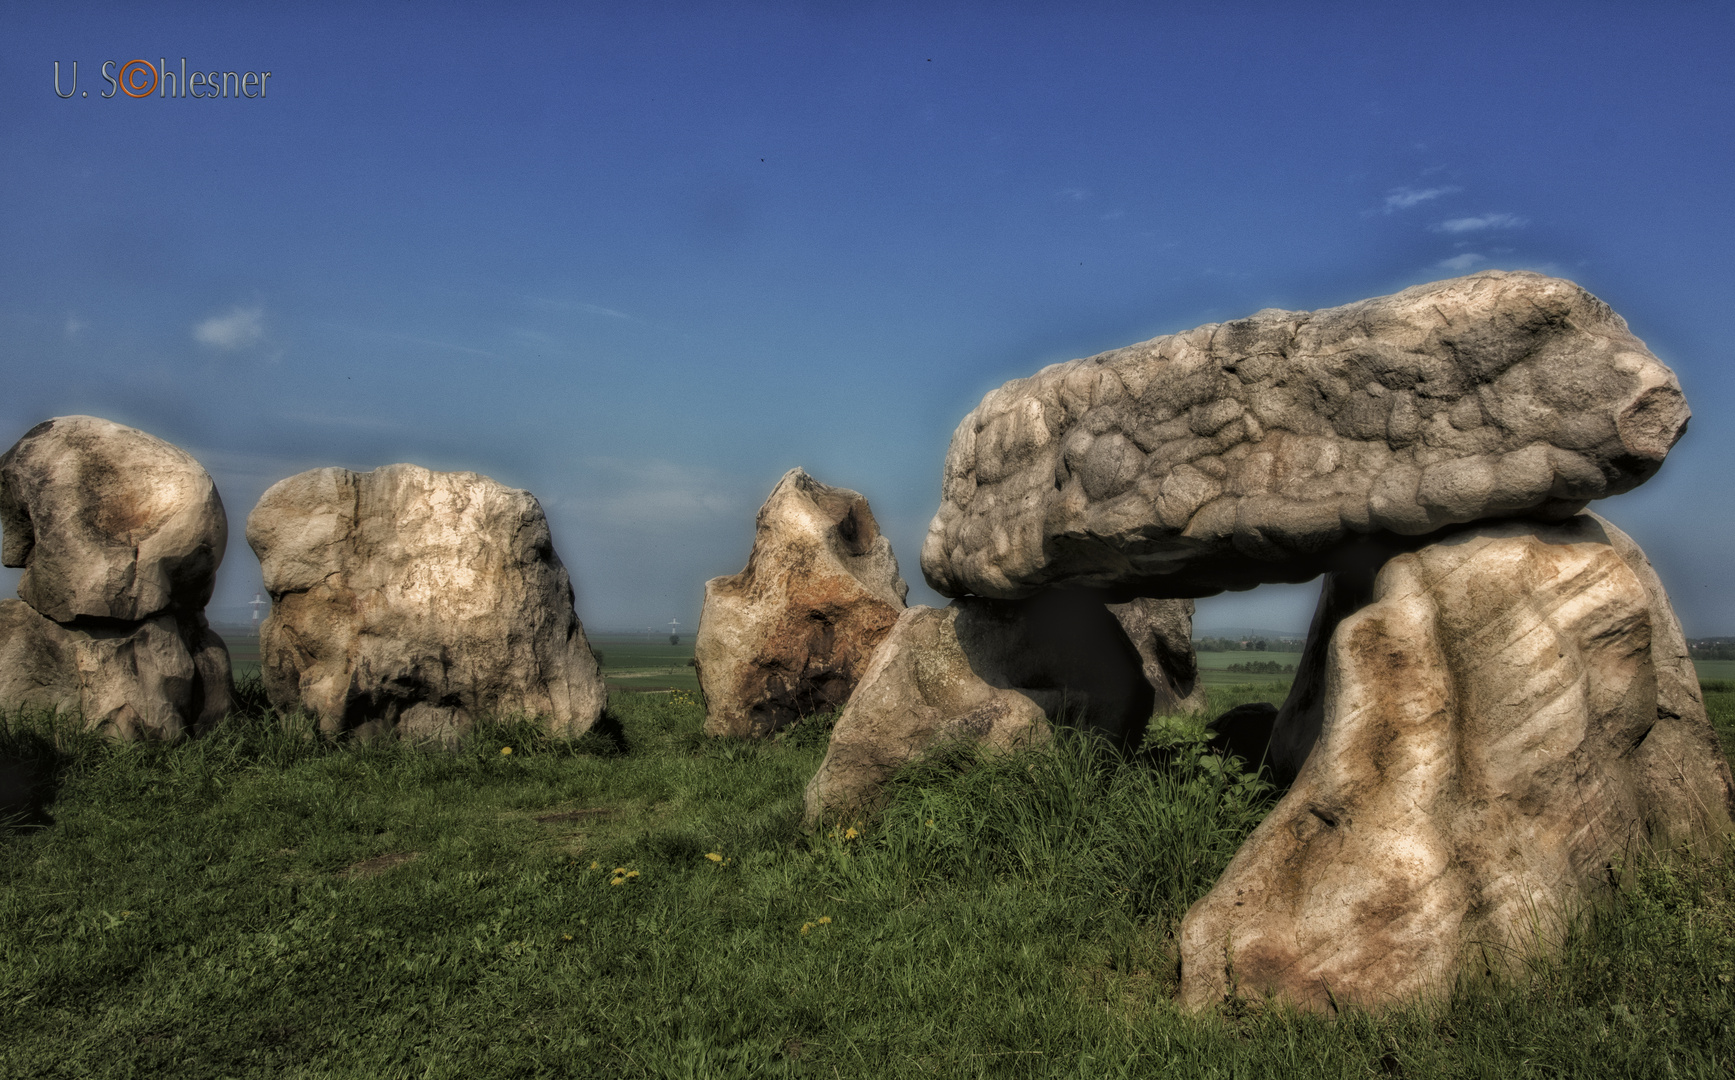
(594, 865)
(620, 870)
(824, 920)
(806, 926)
(566, 937)
(617, 881)
(505, 750)
(632, 873)
(714, 857)
(851, 834)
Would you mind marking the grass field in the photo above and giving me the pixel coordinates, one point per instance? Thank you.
(641, 662)
(262, 904)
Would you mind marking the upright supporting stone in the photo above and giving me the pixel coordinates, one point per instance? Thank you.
(791, 633)
(1509, 715)
(989, 673)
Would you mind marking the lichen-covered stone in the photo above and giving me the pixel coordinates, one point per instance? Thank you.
(1260, 450)
(418, 601)
(790, 634)
(1508, 713)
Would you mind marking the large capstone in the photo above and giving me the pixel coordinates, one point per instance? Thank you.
(418, 601)
(119, 535)
(1268, 449)
(1508, 718)
(790, 635)
(987, 674)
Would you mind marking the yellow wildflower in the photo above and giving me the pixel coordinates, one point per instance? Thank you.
(824, 920)
(566, 937)
(594, 865)
(851, 834)
(505, 750)
(632, 873)
(806, 926)
(714, 857)
(617, 881)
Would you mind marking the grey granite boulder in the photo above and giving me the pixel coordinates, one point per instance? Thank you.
(411, 600)
(119, 535)
(1266, 449)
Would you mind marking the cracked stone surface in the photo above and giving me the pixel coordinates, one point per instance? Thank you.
(790, 634)
(411, 600)
(119, 535)
(1506, 714)
(1260, 450)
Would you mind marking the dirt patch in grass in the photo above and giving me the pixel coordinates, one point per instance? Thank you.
(573, 815)
(379, 864)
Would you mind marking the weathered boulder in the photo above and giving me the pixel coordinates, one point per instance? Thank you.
(1162, 632)
(414, 600)
(1509, 714)
(120, 535)
(791, 634)
(984, 672)
(108, 521)
(1259, 450)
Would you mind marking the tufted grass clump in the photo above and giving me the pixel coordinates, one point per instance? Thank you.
(645, 902)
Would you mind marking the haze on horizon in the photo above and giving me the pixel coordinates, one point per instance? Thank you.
(642, 262)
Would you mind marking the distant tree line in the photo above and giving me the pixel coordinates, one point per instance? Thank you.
(1720, 648)
(1262, 667)
(1223, 644)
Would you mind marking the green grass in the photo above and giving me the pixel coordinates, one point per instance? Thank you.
(1715, 670)
(264, 904)
(641, 662)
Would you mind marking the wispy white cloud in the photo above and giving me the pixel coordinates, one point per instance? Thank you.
(1072, 194)
(1463, 262)
(575, 305)
(238, 329)
(74, 326)
(1477, 224)
(1405, 197)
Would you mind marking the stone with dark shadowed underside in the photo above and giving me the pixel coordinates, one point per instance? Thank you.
(790, 634)
(119, 535)
(1506, 714)
(418, 601)
(1268, 448)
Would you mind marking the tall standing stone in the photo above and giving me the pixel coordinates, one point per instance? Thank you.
(418, 601)
(1509, 717)
(790, 634)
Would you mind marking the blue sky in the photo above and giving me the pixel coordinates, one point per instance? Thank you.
(640, 260)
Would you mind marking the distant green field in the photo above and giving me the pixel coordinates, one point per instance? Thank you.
(1214, 667)
(1711, 670)
(640, 662)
